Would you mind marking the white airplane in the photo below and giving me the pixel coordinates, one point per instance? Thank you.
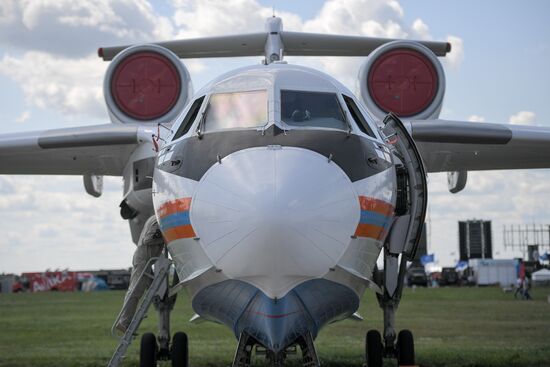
(276, 187)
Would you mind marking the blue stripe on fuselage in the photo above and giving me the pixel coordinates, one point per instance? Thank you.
(368, 217)
(175, 220)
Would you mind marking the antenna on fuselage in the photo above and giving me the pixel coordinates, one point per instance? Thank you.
(274, 48)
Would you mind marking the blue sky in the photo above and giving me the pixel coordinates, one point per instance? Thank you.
(48, 83)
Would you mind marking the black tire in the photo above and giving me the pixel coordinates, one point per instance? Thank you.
(180, 350)
(148, 350)
(405, 348)
(374, 349)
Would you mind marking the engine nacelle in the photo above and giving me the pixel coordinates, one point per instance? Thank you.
(403, 77)
(146, 83)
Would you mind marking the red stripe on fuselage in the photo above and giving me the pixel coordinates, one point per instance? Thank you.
(275, 316)
(369, 230)
(179, 232)
(174, 206)
(376, 205)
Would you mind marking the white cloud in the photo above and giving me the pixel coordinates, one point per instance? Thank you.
(456, 56)
(71, 86)
(421, 29)
(219, 17)
(58, 69)
(523, 118)
(24, 116)
(68, 228)
(353, 16)
(476, 118)
(76, 28)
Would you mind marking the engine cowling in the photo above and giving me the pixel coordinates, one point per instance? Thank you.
(146, 83)
(403, 77)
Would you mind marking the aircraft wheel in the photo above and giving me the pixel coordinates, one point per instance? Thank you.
(148, 350)
(405, 348)
(374, 349)
(180, 350)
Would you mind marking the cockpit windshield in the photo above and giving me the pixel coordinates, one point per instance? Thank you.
(236, 110)
(312, 109)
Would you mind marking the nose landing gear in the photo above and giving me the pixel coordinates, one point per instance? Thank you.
(243, 355)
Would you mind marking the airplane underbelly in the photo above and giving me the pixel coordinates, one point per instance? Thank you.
(276, 323)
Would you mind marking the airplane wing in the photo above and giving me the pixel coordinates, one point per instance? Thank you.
(97, 150)
(471, 146)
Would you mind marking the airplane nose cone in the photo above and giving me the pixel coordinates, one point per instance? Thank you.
(275, 216)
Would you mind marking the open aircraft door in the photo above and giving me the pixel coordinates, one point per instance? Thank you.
(412, 189)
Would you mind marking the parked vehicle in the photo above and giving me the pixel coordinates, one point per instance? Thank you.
(449, 276)
(417, 276)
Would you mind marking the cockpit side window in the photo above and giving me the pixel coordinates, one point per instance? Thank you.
(236, 110)
(189, 118)
(358, 116)
(312, 109)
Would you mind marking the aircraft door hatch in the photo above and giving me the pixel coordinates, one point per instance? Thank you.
(412, 195)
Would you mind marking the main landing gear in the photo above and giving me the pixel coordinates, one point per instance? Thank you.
(403, 349)
(150, 352)
(154, 349)
(390, 344)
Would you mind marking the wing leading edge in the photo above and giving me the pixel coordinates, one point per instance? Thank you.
(96, 149)
(472, 146)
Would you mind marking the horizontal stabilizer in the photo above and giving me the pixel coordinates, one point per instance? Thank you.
(316, 44)
(251, 44)
(295, 44)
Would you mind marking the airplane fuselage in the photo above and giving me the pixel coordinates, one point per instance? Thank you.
(275, 228)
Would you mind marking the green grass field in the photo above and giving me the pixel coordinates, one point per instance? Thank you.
(452, 327)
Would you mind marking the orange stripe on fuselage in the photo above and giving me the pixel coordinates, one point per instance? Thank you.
(175, 206)
(375, 205)
(179, 232)
(369, 230)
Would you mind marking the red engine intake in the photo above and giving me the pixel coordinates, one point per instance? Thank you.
(405, 78)
(146, 83)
